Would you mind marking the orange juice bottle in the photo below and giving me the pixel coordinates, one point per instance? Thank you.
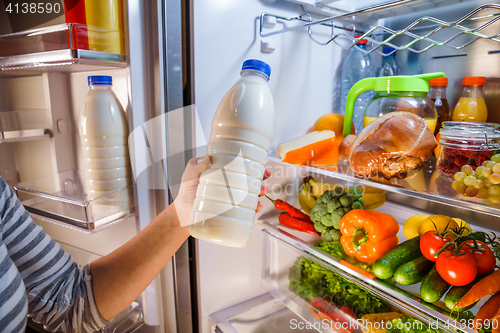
(471, 106)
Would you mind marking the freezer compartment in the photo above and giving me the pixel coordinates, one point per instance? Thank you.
(65, 47)
(304, 277)
(22, 125)
(62, 199)
(263, 313)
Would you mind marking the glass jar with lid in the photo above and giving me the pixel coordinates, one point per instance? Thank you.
(466, 143)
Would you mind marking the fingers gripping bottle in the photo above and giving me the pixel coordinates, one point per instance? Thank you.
(242, 131)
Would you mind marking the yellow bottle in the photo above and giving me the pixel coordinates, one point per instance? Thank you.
(471, 106)
(105, 21)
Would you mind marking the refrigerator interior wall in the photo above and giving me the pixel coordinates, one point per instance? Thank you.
(304, 84)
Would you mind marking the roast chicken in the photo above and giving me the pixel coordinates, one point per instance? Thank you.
(394, 146)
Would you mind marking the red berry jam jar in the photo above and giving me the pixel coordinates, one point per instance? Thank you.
(462, 143)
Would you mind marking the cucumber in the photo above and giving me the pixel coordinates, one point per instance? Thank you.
(455, 294)
(413, 272)
(385, 266)
(433, 286)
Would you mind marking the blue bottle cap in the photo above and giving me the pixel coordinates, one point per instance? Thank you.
(388, 49)
(100, 80)
(257, 65)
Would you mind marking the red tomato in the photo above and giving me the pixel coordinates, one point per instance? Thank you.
(348, 311)
(485, 261)
(457, 270)
(430, 243)
(344, 320)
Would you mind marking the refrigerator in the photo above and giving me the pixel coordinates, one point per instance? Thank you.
(181, 58)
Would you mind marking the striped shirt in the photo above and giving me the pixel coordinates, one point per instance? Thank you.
(38, 279)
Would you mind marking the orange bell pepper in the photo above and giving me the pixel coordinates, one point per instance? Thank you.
(366, 235)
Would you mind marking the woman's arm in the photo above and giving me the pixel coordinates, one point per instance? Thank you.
(120, 277)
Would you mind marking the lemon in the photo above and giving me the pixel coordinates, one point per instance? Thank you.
(441, 222)
(462, 223)
(412, 225)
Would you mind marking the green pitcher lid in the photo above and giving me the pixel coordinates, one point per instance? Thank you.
(417, 83)
(400, 83)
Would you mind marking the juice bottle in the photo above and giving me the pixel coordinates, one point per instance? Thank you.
(437, 94)
(105, 21)
(471, 106)
(74, 12)
(242, 131)
(104, 134)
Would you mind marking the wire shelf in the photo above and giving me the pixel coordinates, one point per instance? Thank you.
(388, 35)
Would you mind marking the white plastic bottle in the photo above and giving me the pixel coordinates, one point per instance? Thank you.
(104, 134)
(242, 131)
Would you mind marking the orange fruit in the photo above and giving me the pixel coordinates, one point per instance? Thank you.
(332, 122)
(436, 150)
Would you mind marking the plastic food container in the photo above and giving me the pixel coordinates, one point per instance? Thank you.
(462, 143)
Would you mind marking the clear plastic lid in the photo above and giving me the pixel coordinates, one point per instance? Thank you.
(469, 135)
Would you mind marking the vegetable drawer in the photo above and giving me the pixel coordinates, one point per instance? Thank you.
(334, 295)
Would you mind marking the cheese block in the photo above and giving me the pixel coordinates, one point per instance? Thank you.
(315, 148)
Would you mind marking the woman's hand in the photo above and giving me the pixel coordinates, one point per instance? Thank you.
(189, 183)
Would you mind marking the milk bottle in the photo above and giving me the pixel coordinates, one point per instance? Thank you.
(103, 133)
(242, 130)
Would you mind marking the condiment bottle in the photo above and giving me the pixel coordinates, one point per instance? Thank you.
(242, 130)
(437, 94)
(471, 105)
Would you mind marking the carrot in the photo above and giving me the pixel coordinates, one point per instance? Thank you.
(487, 286)
(357, 269)
(495, 322)
(487, 311)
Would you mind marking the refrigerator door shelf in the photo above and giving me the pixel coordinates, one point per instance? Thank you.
(57, 48)
(62, 199)
(23, 125)
(127, 321)
(281, 269)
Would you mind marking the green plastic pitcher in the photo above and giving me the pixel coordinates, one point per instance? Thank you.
(393, 93)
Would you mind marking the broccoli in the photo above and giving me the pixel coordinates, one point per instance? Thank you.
(329, 209)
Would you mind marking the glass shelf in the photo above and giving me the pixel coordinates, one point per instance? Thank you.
(58, 48)
(426, 185)
(282, 248)
(62, 199)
